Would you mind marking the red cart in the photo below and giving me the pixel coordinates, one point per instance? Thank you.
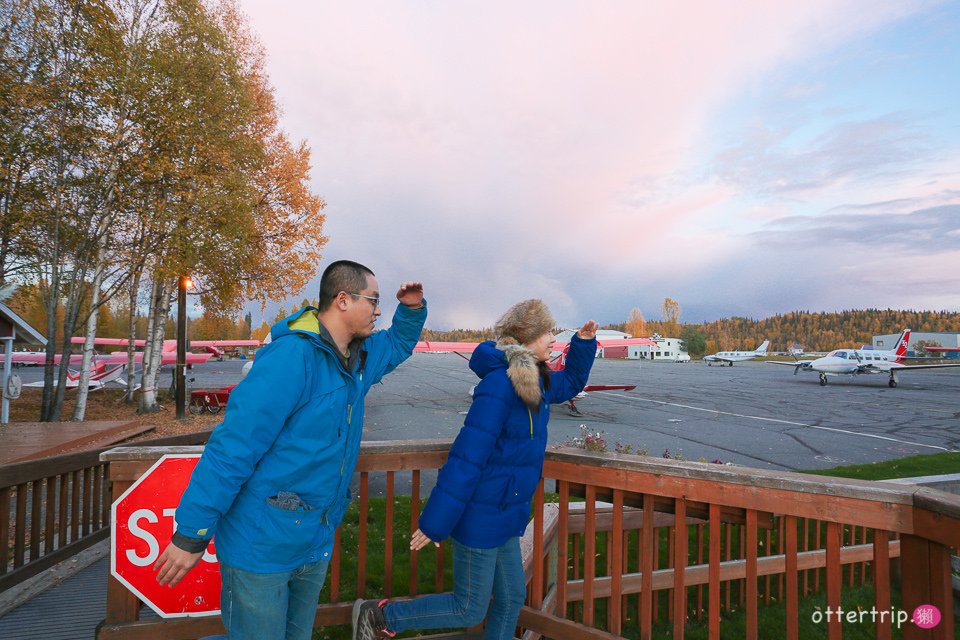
(209, 400)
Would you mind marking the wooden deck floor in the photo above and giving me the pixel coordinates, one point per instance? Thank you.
(22, 441)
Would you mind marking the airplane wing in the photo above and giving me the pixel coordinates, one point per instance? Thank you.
(109, 342)
(798, 365)
(166, 358)
(225, 343)
(924, 366)
(887, 367)
(942, 349)
(39, 357)
(444, 347)
(610, 387)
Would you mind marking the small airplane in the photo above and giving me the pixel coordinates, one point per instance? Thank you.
(216, 348)
(557, 361)
(104, 368)
(736, 356)
(854, 362)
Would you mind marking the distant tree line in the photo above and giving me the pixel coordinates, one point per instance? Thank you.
(814, 331)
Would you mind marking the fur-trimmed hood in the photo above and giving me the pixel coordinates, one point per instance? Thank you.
(524, 322)
(520, 363)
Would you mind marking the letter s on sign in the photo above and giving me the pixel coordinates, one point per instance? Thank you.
(146, 536)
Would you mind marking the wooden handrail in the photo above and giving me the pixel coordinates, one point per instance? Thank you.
(743, 524)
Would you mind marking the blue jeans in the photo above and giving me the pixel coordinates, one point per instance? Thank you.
(271, 606)
(477, 574)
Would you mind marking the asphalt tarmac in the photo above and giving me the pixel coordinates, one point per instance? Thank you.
(753, 414)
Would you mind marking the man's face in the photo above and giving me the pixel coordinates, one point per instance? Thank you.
(362, 311)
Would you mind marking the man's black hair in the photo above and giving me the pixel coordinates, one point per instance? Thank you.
(342, 275)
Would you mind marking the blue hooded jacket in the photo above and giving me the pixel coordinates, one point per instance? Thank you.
(483, 492)
(274, 479)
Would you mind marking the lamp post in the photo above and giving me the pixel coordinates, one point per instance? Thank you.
(183, 283)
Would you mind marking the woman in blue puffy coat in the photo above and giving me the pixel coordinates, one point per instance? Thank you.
(483, 492)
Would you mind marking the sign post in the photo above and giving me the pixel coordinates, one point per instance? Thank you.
(141, 526)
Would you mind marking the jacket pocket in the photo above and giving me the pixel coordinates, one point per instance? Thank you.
(286, 536)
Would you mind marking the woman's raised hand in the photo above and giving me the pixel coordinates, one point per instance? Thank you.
(589, 330)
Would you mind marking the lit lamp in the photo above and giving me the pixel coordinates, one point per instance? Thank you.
(183, 283)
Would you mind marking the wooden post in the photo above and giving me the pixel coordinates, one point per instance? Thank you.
(680, 559)
(122, 605)
(926, 580)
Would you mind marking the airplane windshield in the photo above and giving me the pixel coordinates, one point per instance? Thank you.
(841, 354)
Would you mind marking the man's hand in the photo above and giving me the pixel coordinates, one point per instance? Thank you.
(419, 540)
(589, 330)
(174, 563)
(411, 294)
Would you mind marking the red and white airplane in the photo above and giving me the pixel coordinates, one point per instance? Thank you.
(216, 348)
(854, 362)
(557, 361)
(105, 368)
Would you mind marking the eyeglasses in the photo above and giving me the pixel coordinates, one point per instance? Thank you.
(375, 301)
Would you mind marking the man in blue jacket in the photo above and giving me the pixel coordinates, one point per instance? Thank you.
(274, 479)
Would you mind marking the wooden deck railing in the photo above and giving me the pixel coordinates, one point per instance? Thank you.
(746, 538)
(52, 508)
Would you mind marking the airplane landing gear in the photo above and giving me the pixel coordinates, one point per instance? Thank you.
(823, 379)
(892, 383)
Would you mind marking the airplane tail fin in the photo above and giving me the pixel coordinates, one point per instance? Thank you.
(762, 349)
(559, 361)
(902, 343)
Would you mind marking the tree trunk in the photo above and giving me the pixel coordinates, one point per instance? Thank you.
(70, 314)
(152, 353)
(50, 303)
(131, 336)
(86, 366)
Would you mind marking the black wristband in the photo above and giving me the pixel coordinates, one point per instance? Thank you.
(191, 545)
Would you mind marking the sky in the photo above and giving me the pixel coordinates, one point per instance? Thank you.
(745, 158)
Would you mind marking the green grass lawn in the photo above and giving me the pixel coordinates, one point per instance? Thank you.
(909, 467)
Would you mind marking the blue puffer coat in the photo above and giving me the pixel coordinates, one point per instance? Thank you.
(274, 479)
(483, 492)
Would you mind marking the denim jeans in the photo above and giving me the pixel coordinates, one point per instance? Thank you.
(271, 606)
(477, 573)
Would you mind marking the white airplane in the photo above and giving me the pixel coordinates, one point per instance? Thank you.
(737, 356)
(854, 362)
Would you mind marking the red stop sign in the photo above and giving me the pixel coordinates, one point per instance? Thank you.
(142, 523)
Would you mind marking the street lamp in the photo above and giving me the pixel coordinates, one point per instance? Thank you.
(183, 283)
